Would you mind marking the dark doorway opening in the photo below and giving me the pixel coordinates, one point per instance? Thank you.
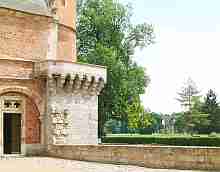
(12, 133)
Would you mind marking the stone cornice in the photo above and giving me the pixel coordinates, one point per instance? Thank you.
(48, 68)
(71, 77)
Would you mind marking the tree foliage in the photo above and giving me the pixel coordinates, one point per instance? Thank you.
(179, 122)
(203, 117)
(188, 92)
(156, 123)
(106, 36)
(138, 117)
(188, 97)
(211, 107)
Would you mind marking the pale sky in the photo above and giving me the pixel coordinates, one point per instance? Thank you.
(187, 45)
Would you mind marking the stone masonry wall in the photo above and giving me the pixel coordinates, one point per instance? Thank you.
(193, 158)
(72, 117)
(81, 112)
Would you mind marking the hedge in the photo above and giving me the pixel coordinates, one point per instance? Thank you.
(175, 141)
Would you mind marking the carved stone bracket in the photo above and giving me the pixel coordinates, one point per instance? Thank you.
(75, 84)
(75, 78)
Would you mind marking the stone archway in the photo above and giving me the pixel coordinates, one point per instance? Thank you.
(30, 122)
(35, 97)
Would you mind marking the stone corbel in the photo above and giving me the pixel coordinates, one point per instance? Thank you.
(51, 85)
(69, 86)
(60, 82)
(100, 86)
(92, 88)
(76, 84)
(85, 84)
(63, 82)
(68, 83)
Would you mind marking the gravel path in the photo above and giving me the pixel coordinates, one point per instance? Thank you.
(44, 164)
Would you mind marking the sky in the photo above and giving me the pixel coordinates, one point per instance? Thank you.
(187, 45)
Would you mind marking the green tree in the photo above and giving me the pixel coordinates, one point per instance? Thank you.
(200, 119)
(195, 121)
(138, 117)
(211, 107)
(106, 36)
(188, 97)
(180, 122)
(156, 122)
(188, 92)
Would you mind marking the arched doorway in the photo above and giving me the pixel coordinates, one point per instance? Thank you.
(20, 124)
(12, 110)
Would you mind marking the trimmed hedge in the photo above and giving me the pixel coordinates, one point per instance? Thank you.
(174, 141)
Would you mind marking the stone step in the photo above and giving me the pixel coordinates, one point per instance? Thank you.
(8, 157)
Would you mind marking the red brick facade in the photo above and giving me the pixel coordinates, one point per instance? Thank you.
(37, 56)
(23, 36)
(66, 44)
(32, 92)
(25, 39)
(32, 121)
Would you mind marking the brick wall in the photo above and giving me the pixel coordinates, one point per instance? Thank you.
(36, 90)
(66, 44)
(32, 107)
(16, 69)
(67, 12)
(23, 36)
(193, 158)
(32, 122)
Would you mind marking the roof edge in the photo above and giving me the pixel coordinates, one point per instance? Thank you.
(26, 12)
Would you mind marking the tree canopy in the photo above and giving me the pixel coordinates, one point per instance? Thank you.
(199, 116)
(189, 92)
(211, 107)
(106, 36)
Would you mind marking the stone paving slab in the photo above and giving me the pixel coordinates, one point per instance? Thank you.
(44, 164)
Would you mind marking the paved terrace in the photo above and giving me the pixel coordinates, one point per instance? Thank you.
(44, 164)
